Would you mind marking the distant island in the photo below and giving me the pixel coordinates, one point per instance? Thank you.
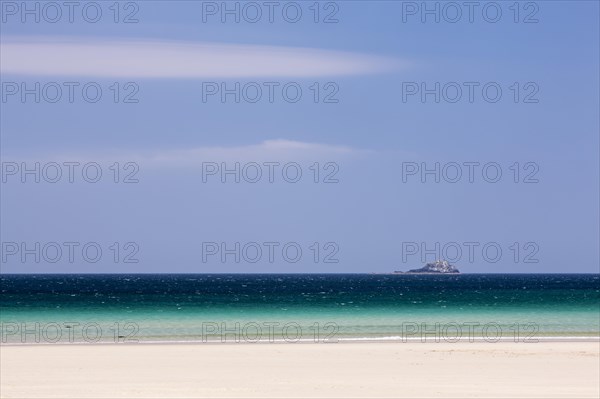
(438, 267)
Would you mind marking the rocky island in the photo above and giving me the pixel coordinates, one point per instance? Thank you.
(438, 267)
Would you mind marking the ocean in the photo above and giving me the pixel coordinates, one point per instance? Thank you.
(323, 308)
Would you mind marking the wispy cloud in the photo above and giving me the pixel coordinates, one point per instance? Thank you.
(268, 150)
(125, 58)
(278, 150)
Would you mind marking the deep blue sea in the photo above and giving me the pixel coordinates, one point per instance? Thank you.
(296, 307)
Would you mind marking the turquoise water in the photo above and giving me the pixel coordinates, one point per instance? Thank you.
(321, 308)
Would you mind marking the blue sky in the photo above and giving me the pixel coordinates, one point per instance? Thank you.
(370, 219)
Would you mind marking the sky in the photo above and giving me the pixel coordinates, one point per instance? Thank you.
(299, 137)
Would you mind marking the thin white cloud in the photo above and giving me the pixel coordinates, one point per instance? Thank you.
(269, 150)
(278, 150)
(125, 58)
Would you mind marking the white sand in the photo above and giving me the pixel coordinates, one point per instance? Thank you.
(544, 370)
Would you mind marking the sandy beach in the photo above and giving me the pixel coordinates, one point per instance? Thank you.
(504, 369)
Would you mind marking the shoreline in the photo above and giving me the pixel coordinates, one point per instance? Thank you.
(368, 340)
